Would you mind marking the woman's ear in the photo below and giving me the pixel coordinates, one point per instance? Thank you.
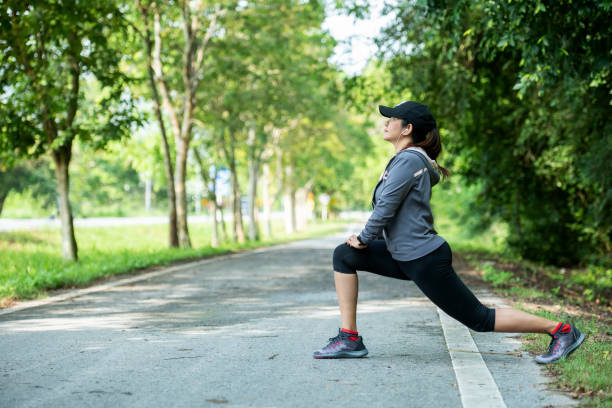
(408, 130)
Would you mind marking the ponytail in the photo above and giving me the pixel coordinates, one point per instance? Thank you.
(432, 144)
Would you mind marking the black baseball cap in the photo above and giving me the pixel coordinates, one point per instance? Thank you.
(416, 113)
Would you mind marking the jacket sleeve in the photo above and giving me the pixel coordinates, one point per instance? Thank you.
(400, 180)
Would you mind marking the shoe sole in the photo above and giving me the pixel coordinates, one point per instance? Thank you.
(569, 351)
(344, 354)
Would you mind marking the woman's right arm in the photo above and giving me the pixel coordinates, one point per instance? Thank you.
(400, 181)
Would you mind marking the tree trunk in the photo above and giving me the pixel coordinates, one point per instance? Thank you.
(230, 156)
(236, 204)
(289, 210)
(214, 237)
(253, 227)
(61, 158)
(267, 203)
(181, 133)
(281, 179)
(303, 211)
(3, 196)
(268, 200)
(289, 200)
(212, 197)
(172, 230)
(222, 221)
(212, 207)
(253, 173)
(301, 197)
(219, 200)
(172, 221)
(181, 194)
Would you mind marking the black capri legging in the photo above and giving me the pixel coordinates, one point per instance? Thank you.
(432, 273)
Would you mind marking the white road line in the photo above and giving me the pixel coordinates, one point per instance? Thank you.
(476, 384)
(80, 292)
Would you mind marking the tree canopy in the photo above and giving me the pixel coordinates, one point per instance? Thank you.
(522, 91)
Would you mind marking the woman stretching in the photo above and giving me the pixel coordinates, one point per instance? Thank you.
(412, 250)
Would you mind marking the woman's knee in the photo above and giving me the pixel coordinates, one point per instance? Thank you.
(341, 254)
(484, 320)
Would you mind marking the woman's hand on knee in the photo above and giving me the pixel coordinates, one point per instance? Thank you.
(354, 242)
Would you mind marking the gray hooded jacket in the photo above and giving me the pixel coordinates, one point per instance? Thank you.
(401, 207)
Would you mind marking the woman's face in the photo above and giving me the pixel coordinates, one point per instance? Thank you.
(393, 130)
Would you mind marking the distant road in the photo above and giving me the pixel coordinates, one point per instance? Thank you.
(12, 224)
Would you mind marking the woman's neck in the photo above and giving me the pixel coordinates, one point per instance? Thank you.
(402, 145)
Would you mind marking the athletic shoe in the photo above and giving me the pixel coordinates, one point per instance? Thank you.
(342, 346)
(561, 345)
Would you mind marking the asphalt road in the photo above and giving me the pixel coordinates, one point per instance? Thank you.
(239, 331)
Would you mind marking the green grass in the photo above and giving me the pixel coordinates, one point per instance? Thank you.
(25, 205)
(588, 371)
(580, 285)
(31, 262)
(497, 277)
